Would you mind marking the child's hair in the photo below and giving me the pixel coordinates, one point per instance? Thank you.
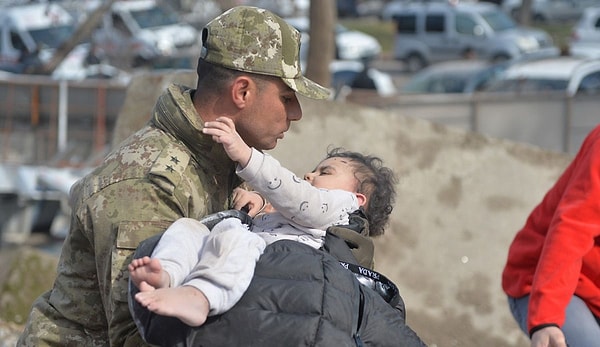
(376, 182)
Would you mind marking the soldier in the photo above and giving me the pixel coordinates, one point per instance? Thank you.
(249, 71)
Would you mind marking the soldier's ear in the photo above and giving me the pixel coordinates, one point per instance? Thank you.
(241, 90)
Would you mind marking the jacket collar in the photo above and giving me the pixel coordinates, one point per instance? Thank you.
(175, 113)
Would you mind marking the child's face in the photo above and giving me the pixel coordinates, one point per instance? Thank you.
(334, 173)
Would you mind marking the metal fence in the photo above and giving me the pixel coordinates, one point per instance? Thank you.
(43, 121)
(56, 123)
(553, 121)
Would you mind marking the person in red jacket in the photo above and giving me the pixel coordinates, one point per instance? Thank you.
(552, 275)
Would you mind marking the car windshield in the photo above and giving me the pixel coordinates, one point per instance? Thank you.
(498, 20)
(154, 17)
(52, 37)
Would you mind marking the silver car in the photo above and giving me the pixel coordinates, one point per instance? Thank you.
(433, 32)
(550, 10)
(572, 75)
(585, 37)
(349, 44)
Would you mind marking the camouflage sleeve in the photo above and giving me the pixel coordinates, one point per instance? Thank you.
(113, 210)
(90, 290)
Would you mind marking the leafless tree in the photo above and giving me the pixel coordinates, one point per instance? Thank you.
(83, 31)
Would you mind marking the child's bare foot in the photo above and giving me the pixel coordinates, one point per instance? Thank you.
(148, 270)
(186, 303)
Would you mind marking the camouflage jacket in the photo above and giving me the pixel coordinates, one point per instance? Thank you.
(165, 171)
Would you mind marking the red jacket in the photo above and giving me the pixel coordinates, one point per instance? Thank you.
(557, 253)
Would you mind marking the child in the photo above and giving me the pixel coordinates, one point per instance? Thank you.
(194, 273)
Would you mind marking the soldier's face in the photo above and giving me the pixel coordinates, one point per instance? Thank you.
(269, 115)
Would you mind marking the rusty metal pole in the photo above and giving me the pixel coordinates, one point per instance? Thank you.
(35, 105)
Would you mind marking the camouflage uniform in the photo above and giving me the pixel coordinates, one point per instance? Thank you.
(165, 171)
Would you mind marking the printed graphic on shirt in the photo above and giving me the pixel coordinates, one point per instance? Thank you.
(274, 183)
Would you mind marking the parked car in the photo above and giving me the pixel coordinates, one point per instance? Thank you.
(30, 35)
(573, 75)
(347, 75)
(349, 44)
(433, 32)
(392, 7)
(585, 36)
(462, 76)
(550, 10)
(283, 8)
(144, 32)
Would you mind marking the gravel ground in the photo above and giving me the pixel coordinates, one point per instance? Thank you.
(9, 334)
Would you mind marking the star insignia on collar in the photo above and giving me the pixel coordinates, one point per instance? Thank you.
(174, 159)
(170, 168)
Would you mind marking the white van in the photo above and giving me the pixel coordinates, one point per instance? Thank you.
(432, 32)
(30, 34)
(145, 32)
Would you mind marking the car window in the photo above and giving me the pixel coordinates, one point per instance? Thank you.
(406, 24)
(17, 42)
(590, 84)
(448, 84)
(465, 24)
(154, 17)
(434, 23)
(52, 37)
(119, 24)
(498, 20)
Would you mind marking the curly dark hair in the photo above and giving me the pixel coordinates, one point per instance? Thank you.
(376, 182)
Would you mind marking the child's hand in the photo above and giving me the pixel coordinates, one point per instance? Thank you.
(253, 201)
(223, 131)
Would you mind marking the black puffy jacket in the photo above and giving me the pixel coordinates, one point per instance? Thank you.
(299, 296)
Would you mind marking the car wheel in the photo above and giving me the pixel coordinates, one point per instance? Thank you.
(499, 58)
(414, 62)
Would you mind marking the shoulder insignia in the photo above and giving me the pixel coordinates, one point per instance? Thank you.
(169, 166)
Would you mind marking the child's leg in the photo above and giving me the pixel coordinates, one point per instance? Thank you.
(227, 264)
(218, 281)
(174, 256)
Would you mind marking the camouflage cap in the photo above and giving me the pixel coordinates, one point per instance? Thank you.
(255, 40)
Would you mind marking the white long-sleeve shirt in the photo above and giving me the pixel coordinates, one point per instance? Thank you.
(303, 212)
